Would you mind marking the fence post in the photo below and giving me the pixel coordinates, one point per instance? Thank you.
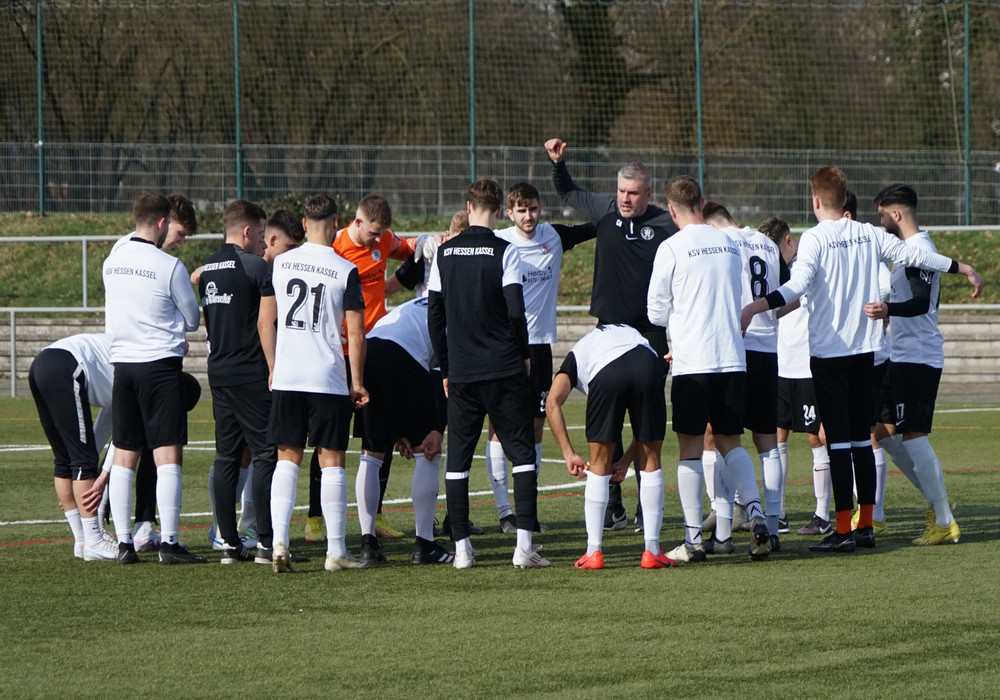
(13, 355)
(41, 124)
(967, 107)
(83, 258)
(472, 90)
(236, 91)
(697, 92)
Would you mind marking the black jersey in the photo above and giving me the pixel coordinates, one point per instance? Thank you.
(476, 313)
(231, 286)
(623, 258)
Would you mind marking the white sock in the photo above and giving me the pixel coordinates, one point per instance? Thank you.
(168, 501)
(595, 502)
(92, 533)
(651, 498)
(366, 490)
(333, 500)
(928, 470)
(73, 518)
(524, 540)
(893, 446)
(822, 484)
(723, 503)
(496, 465)
(689, 487)
(740, 475)
(283, 486)
(248, 512)
(878, 512)
(708, 469)
(120, 488)
(770, 469)
(783, 456)
(424, 491)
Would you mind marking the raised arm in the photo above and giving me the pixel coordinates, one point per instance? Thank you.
(591, 205)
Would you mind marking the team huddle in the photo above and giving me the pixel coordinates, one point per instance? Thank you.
(767, 333)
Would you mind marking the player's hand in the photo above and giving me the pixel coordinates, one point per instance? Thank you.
(749, 311)
(187, 346)
(91, 498)
(431, 446)
(445, 382)
(876, 310)
(619, 470)
(576, 465)
(360, 396)
(976, 281)
(404, 448)
(527, 366)
(556, 149)
(669, 357)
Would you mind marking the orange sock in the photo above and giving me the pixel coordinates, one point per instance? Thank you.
(844, 521)
(865, 515)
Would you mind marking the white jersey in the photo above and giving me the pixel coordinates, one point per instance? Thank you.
(838, 265)
(149, 303)
(884, 290)
(406, 326)
(312, 287)
(694, 291)
(761, 276)
(425, 249)
(602, 346)
(916, 338)
(93, 352)
(541, 262)
(793, 342)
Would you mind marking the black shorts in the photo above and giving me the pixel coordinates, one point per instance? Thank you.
(509, 403)
(242, 413)
(879, 373)
(149, 406)
(403, 396)
(59, 388)
(843, 396)
(760, 394)
(908, 395)
(797, 406)
(700, 399)
(630, 383)
(541, 375)
(325, 419)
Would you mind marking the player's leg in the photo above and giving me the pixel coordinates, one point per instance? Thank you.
(690, 402)
(466, 413)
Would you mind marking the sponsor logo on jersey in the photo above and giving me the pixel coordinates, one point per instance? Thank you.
(212, 295)
(376, 254)
(532, 276)
(469, 250)
(646, 233)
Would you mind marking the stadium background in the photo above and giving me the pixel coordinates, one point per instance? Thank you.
(412, 98)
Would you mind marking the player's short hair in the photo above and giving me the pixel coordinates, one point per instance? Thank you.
(683, 192)
(459, 222)
(319, 208)
(851, 205)
(774, 228)
(897, 194)
(714, 210)
(149, 208)
(520, 194)
(182, 211)
(289, 224)
(636, 171)
(830, 185)
(484, 194)
(375, 209)
(241, 213)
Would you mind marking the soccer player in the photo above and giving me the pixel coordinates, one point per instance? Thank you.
(628, 231)
(234, 281)
(149, 305)
(317, 293)
(479, 332)
(618, 371)
(837, 267)
(762, 268)
(695, 291)
(917, 357)
(541, 246)
(407, 406)
(66, 379)
(796, 395)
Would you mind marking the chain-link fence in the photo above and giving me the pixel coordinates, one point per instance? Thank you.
(100, 100)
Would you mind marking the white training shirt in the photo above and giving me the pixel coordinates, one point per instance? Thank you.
(884, 290)
(310, 283)
(602, 346)
(149, 303)
(761, 276)
(793, 342)
(838, 266)
(916, 339)
(93, 353)
(406, 326)
(694, 291)
(541, 262)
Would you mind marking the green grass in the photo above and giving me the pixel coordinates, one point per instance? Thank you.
(897, 621)
(49, 275)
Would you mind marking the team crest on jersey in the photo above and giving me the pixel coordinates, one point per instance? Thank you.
(618, 223)
(545, 248)
(212, 295)
(376, 254)
(646, 233)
